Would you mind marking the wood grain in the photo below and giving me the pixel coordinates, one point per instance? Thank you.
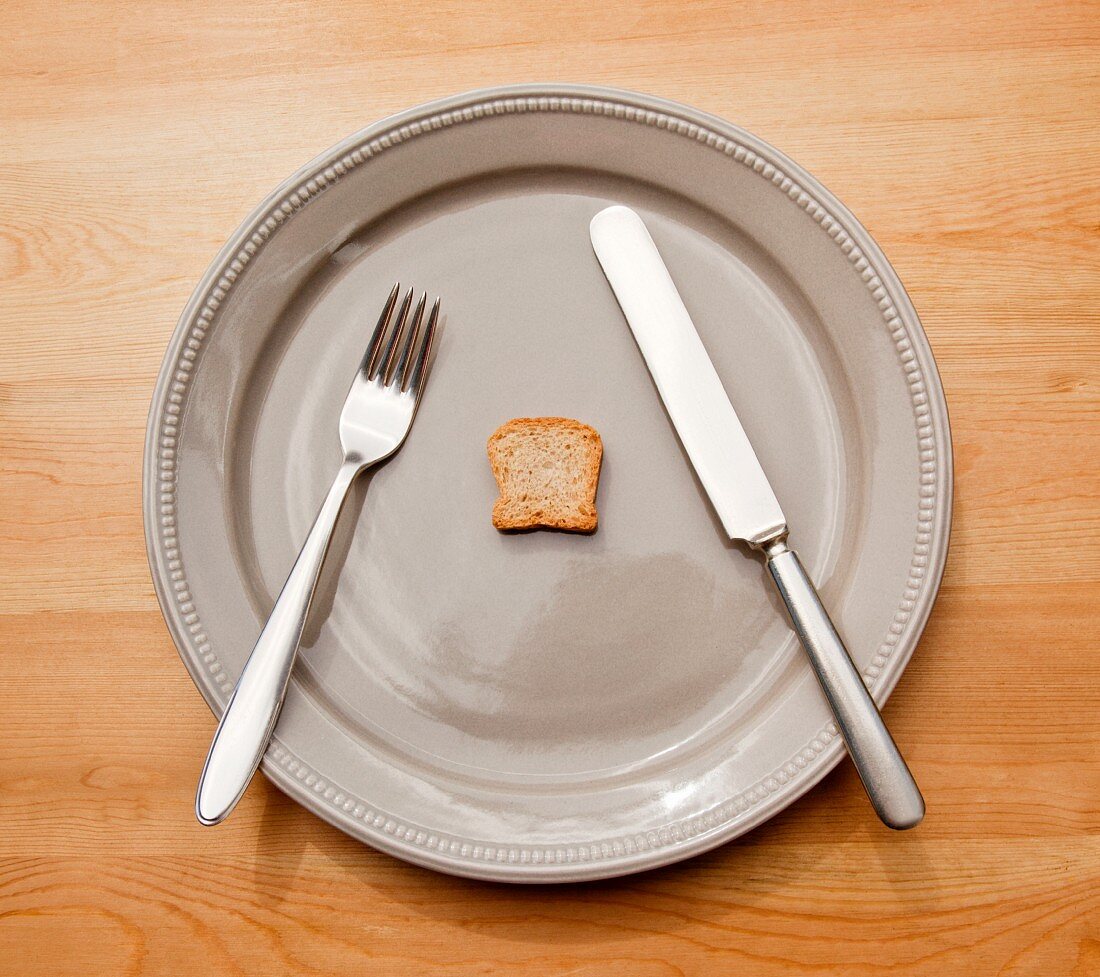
(136, 136)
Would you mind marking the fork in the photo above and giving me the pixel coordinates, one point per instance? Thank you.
(374, 423)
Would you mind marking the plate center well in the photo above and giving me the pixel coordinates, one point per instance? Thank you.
(543, 656)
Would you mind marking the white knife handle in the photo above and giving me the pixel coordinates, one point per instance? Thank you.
(886, 778)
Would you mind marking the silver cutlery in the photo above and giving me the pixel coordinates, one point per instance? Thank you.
(374, 423)
(730, 472)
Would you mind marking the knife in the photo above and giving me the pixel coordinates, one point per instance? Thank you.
(734, 480)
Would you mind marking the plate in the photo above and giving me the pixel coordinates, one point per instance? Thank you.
(546, 707)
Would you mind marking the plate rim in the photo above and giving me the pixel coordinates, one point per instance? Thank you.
(605, 857)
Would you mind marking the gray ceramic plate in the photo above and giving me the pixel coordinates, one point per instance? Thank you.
(546, 707)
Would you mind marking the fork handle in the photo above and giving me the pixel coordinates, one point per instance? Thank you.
(889, 784)
(249, 718)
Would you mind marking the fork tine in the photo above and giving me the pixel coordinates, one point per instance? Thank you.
(416, 384)
(375, 344)
(385, 364)
(404, 365)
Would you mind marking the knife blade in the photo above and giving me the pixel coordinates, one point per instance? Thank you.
(727, 465)
(693, 394)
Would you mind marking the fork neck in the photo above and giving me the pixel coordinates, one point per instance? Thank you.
(351, 466)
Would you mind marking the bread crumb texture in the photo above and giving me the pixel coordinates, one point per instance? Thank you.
(547, 470)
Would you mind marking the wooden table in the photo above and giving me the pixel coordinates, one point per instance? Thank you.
(134, 139)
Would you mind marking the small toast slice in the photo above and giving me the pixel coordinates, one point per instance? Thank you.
(547, 469)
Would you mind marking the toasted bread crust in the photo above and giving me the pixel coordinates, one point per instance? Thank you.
(569, 504)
